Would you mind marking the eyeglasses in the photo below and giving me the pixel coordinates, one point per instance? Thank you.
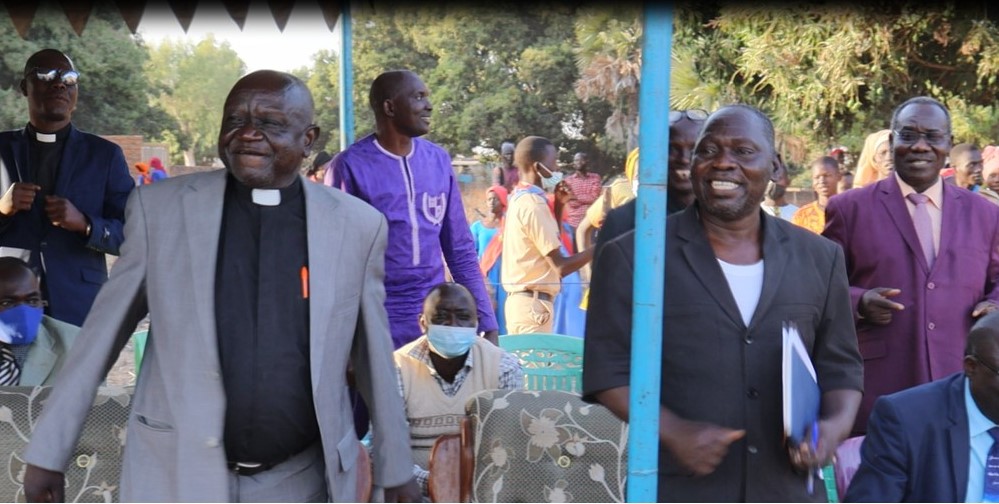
(984, 365)
(6, 304)
(908, 136)
(692, 114)
(68, 77)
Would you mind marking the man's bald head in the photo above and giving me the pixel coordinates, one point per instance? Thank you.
(530, 150)
(386, 86)
(295, 91)
(985, 331)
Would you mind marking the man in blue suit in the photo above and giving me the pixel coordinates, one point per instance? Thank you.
(931, 443)
(64, 191)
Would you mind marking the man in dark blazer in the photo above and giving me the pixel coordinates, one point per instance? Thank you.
(912, 311)
(64, 191)
(930, 443)
(733, 276)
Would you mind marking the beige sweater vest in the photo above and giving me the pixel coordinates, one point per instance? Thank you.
(432, 414)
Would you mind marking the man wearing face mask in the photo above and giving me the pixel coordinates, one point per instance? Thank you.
(533, 265)
(441, 370)
(32, 345)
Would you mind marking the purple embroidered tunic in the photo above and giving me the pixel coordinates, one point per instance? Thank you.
(419, 196)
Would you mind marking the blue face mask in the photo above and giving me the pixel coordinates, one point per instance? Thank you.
(19, 325)
(450, 341)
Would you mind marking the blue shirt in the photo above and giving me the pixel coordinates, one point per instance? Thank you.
(981, 443)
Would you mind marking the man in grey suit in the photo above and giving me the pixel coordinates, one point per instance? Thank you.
(260, 289)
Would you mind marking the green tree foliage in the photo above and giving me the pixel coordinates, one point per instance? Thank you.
(831, 74)
(495, 73)
(609, 61)
(113, 97)
(323, 79)
(193, 81)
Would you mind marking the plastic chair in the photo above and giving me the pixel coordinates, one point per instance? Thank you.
(549, 361)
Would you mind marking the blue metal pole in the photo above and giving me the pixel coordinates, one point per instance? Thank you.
(346, 78)
(650, 253)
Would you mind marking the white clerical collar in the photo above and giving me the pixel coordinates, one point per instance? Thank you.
(45, 137)
(266, 197)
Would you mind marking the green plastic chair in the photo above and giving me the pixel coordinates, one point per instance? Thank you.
(549, 361)
(139, 346)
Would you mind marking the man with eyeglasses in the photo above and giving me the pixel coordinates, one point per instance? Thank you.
(33, 346)
(922, 256)
(64, 191)
(937, 442)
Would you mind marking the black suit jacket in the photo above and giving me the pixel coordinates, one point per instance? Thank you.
(716, 369)
(917, 446)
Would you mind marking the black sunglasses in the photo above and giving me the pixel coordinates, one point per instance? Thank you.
(68, 77)
(692, 114)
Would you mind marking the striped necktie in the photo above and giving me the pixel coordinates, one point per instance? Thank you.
(991, 493)
(10, 373)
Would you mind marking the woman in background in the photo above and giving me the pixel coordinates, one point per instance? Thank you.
(875, 160)
(488, 236)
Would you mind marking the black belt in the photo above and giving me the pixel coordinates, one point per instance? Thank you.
(544, 296)
(249, 468)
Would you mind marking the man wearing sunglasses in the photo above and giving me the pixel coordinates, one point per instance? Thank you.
(922, 257)
(937, 442)
(64, 191)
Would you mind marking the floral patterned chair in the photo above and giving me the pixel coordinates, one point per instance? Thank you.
(93, 474)
(531, 446)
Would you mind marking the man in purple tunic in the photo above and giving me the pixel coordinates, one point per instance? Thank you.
(411, 182)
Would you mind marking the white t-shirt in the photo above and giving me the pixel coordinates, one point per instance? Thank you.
(746, 284)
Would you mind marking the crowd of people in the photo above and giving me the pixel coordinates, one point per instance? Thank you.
(293, 315)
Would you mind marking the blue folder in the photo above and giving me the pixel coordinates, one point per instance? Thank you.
(801, 388)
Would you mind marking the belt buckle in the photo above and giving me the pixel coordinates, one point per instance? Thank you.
(246, 468)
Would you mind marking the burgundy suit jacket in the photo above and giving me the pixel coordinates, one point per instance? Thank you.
(925, 341)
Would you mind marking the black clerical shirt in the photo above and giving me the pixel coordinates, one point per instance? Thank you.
(44, 157)
(45, 153)
(262, 319)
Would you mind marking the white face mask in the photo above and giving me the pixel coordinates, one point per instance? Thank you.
(549, 183)
(450, 341)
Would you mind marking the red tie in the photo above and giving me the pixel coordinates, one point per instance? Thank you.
(924, 226)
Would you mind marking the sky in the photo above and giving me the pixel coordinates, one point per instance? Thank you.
(260, 45)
